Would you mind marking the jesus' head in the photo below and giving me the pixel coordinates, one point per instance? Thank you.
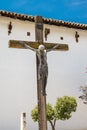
(41, 47)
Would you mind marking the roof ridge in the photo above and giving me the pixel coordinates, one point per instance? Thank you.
(45, 20)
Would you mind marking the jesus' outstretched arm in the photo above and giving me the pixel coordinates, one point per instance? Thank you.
(27, 46)
(55, 47)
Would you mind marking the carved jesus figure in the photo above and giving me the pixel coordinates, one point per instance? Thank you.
(41, 53)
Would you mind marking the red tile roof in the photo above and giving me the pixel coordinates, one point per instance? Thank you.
(45, 20)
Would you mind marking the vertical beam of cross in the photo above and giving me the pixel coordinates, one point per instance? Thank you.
(41, 98)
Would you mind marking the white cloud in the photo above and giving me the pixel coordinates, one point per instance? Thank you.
(78, 2)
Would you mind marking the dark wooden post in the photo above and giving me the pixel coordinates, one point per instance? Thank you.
(41, 98)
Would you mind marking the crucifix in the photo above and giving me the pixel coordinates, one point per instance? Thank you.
(41, 48)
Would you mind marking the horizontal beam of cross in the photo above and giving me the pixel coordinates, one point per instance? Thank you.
(17, 44)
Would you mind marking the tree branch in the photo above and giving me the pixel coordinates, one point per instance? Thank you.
(54, 122)
(52, 125)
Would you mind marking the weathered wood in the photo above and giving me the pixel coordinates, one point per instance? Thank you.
(39, 28)
(16, 44)
(41, 99)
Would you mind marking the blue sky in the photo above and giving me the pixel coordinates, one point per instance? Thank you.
(67, 10)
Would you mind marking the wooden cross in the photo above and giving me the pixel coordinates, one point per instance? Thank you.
(39, 40)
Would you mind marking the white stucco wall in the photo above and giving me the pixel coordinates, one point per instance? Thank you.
(18, 74)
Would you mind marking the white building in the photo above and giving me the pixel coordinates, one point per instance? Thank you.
(18, 90)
